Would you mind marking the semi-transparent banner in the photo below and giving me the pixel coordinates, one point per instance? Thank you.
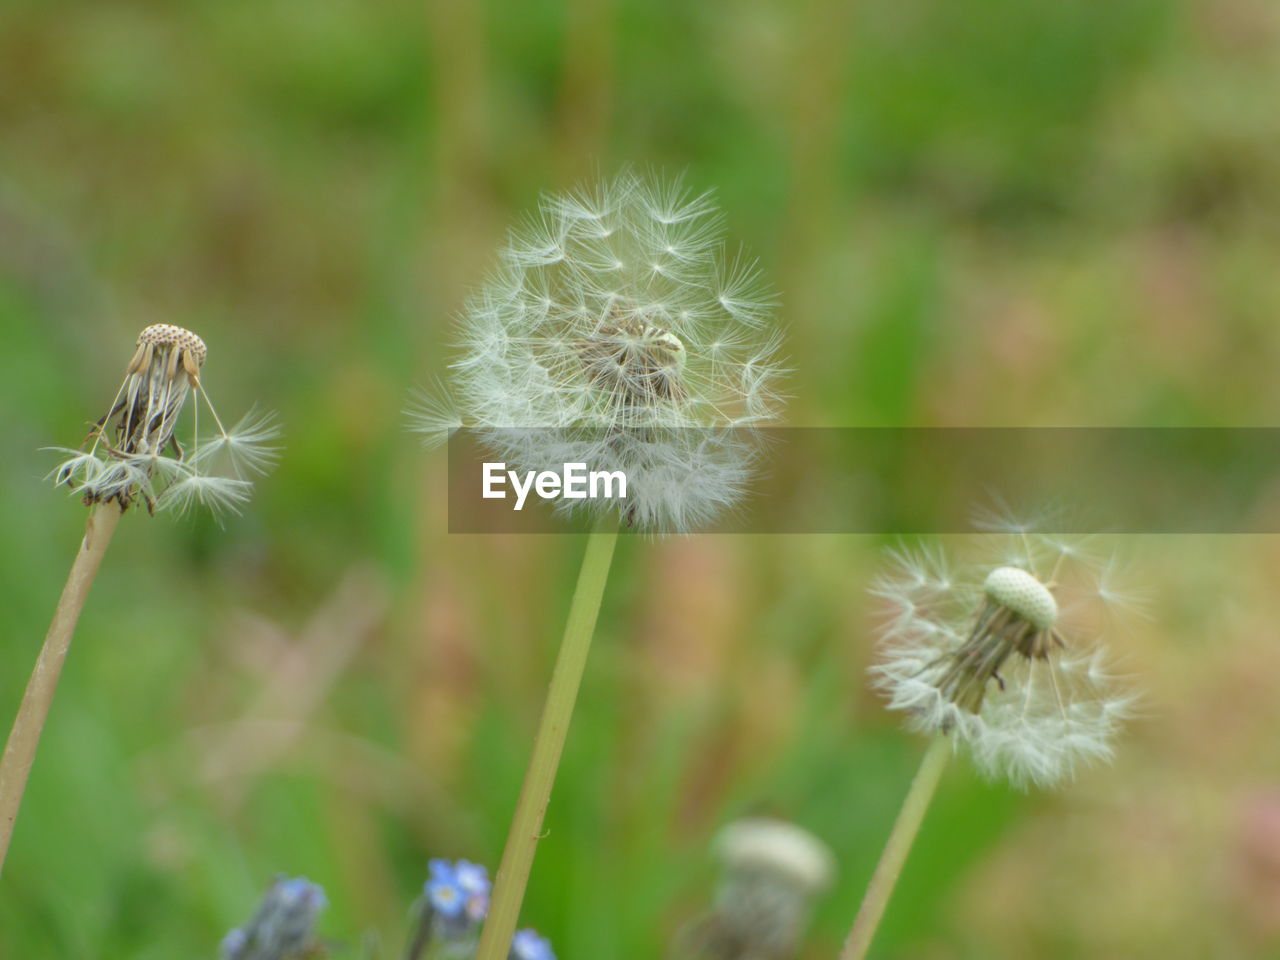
(868, 480)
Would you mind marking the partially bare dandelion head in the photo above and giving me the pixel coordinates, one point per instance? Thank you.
(132, 455)
(764, 844)
(1003, 656)
(165, 366)
(618, 333)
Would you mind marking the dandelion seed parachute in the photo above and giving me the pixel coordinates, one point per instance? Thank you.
(989, 655)
(247, 448)
(616, 333)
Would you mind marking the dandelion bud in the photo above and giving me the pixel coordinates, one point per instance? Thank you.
(773, 870)
(986, 660)
(283, 926)
(617, 334)
(133, 454)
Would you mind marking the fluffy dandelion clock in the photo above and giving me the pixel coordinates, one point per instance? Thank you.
(615, 335)
(131, 454)
(1000, 657)
(616, 332)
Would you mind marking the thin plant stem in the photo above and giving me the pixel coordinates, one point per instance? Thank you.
(896, 849)
(417, 948)
(526, 825)
(24, 737)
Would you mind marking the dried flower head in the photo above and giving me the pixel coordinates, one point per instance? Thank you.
(991, 655)
(132, 453)
(772, 872)
(283, 928)
(617, 333)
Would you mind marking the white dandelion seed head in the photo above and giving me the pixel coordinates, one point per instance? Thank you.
(993, 657)
(773, 870)
(777, 846)
(179, 340)
(219, 495)
(617, 333)
(131, 453)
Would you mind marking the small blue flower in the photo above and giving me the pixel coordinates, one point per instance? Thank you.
(477, 908)
(440, 869)
(474, 881)
(301, 892)
(233, 943)
(443, 891)
(445, 898)
(455, 888)
(527, 945)
(472, 877)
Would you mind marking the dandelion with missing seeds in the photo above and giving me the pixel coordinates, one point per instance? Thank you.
(997, 658)
(616, 333)
(130, 456)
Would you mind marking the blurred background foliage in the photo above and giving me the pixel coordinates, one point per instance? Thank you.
(1008, 212)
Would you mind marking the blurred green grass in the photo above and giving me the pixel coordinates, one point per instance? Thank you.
(1016, 212)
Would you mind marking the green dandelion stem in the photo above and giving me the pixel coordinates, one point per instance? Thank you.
(24, 737)
(526, 825)
(905, 828)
